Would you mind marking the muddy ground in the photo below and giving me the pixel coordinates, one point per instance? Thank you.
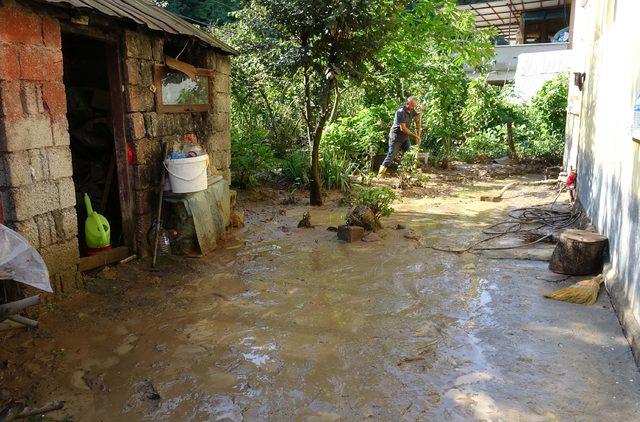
(291, 324)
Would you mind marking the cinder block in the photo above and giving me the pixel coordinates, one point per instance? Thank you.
(350, 234)
(39, 164)
(66, 223)
(30, 200)
(222, 103)
(17, 26)
(223, 64)
(137, 45)
(39, 63)
(46, 229)
(17, 171)
(226, 174)
(61, 257)
(60, 165)
(221, 121)
(66, 192)
(222, 83)
(132, 72)
(144, 176)
(157, 49)
(29, 229)
(25, 133)
(148, 150)
(10, 104)
(55, 99)
(139, 98)
(135, 126)
(51, 32)
(31, 98)
(221, 159)
(160, 124)
(9, 62)
(60, 132)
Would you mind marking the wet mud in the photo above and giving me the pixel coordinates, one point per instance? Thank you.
(287, 323)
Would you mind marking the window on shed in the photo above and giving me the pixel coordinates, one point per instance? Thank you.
(181, 87)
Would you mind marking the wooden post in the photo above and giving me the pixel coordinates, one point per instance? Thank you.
(578, 252)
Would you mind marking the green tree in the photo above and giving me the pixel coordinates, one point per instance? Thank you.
(209, 12)
(315, 44)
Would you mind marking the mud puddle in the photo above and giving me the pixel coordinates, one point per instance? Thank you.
(288, 323)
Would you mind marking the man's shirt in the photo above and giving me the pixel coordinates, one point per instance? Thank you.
(402, 116)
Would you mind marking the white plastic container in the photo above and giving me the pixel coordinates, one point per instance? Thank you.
(188, 174)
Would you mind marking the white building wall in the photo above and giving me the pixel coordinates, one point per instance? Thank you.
(607, 158)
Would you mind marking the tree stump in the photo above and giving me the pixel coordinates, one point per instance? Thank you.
(578, 252)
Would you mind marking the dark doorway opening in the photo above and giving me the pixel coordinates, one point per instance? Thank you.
(93, 149)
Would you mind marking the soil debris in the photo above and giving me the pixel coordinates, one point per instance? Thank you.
(371, 237)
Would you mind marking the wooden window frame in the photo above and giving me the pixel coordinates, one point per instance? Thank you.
(181, 108)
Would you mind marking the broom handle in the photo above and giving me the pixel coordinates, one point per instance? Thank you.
(157, 233)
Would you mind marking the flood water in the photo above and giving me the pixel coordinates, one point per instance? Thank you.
(291, 324)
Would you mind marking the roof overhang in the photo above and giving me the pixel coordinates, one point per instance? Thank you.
(143, 12)
(504, 15)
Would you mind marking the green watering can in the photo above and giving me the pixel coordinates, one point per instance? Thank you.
(97, 232)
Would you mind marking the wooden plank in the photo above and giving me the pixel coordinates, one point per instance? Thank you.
(102, 259)
(123, 171)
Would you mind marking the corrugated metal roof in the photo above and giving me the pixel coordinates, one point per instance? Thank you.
(145, 13)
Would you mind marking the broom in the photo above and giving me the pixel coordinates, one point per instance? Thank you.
(584, 292)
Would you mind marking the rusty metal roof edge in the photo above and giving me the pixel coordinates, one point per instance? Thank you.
(149, 15)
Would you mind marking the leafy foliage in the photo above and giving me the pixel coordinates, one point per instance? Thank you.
(335, 171)
(252, 157)
(360, 136)
(538, 128)
(379, 200)
(315, 44)
(210, 12)
(295, 168)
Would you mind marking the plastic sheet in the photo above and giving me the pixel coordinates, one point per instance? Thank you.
(19, 261)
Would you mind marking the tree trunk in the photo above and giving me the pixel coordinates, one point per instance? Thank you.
(578, 252)
(512, 146)
(334, 110)
(315, 182)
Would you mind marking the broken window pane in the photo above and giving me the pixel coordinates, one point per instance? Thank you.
(179, 89)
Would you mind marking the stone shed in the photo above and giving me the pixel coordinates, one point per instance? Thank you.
(91, 92)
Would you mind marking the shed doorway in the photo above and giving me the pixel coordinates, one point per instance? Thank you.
(94, 150)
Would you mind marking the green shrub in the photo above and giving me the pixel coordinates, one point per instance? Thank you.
(335, 171)
(379, 200)
(296, 167)
(360, 136)
(251, 158)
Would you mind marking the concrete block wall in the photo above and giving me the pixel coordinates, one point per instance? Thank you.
(148, 130)
(35, 160)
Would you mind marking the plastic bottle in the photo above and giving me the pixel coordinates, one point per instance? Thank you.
(190, 146)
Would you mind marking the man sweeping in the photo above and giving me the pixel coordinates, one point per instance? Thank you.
(400, 132)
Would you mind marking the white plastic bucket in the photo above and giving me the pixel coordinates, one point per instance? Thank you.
(188, 174)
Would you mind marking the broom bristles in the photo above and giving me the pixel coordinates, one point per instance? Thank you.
(584, 292)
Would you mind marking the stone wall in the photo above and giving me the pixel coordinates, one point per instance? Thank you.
(36, 182)
(148, 131)
(35, 160)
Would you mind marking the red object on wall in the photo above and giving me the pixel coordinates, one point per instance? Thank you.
(131, 155)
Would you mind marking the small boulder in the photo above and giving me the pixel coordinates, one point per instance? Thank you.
(237, 219)
(412, 234)
(350, 234)
(305, 223)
